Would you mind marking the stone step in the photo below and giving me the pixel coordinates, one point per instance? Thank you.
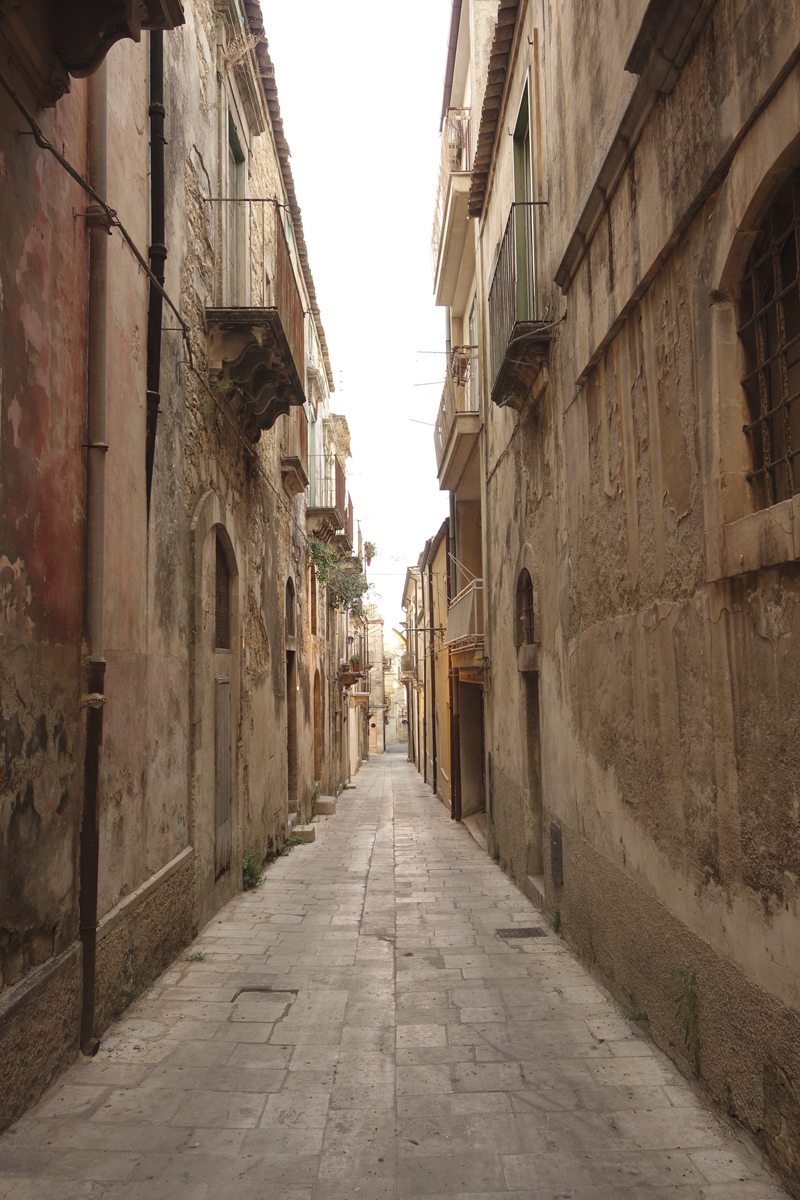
(478, 826)
(326, 806)
(307, 832)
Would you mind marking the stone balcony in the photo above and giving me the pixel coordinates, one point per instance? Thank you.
(456, 432)
(255, 330)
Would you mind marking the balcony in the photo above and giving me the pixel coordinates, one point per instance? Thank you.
(42, 43)
(449, 241)
(465, 618)
(519, 345)
(343, 539)
(255, 321)
(349, 674)
(326, 520)
(458, 424)
(294, 452)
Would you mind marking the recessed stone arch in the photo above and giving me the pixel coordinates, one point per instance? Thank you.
(214, 817)
(525, 568)
(739, 535)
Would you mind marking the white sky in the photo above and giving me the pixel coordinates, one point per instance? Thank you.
(360, 90)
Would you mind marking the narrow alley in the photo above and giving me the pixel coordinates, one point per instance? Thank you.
(366, 1024)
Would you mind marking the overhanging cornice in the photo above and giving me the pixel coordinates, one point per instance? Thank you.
(499, 60)
(267, 72)
(668, 31)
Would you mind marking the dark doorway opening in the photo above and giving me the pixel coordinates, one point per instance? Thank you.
(291, 729)
(535, 863)
(317, 728)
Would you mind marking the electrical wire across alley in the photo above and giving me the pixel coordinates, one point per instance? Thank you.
(114, 223)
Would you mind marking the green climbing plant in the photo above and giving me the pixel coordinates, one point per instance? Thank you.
(344, 577)
(683, 993)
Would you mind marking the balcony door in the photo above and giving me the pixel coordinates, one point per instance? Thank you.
(523, 212)
(234, 221)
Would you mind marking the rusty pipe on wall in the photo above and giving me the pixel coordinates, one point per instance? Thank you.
(157, 251)
(99, 231)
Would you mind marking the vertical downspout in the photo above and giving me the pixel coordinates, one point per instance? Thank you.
(416, 668)
(449, 590)
(432, 645)
(95, 545)
(157, 251)
(452, 554)
(424, 682)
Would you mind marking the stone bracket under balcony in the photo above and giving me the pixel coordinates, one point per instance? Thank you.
(523, 372)
(323, 523)
(248, 351)
(293, 474)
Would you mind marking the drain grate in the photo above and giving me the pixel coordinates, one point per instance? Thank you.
(522, 932)
(269, 990)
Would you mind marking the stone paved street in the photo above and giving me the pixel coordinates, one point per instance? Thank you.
(357, 1030)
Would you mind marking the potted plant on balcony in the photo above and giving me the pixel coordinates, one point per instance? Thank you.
(407, 665)
(355, 662)
(370, 550)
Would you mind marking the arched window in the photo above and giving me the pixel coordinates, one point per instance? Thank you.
(222, 600)
(769, 326)
(526, 623)
(290, 614)
(313, 598)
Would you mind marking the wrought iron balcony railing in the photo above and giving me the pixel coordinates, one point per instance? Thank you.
(460, 395)
(294, 452)
(330, 517)
(255, 311)
(518, 341)
(465, 618)
(456, 159)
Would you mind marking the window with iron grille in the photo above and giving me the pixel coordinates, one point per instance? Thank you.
(290, 615)
(222, 606)
(769, 326)
(526, 625)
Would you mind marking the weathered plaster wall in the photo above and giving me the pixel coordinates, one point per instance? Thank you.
(43, 275)
(668, 703)
(157, 820)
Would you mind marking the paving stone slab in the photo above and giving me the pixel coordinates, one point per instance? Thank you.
(412, 1052)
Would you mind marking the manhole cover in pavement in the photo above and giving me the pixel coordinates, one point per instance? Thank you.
(520, 932)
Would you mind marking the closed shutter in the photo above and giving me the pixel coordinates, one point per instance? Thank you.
(223, 776)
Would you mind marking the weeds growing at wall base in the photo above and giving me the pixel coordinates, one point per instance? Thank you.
(252, 870)
(683, 994)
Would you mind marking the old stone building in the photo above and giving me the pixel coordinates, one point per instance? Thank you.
(171, 692)
(617, 246)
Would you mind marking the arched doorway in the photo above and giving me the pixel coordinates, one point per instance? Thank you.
(317, 728)
(214, 798)
(223, 663)
(291, 697)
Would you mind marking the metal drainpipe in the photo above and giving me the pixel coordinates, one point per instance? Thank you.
(455, 745)
(416, 668)
(95, 546)
(432, 645)
(157, 251)
(425, 711)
